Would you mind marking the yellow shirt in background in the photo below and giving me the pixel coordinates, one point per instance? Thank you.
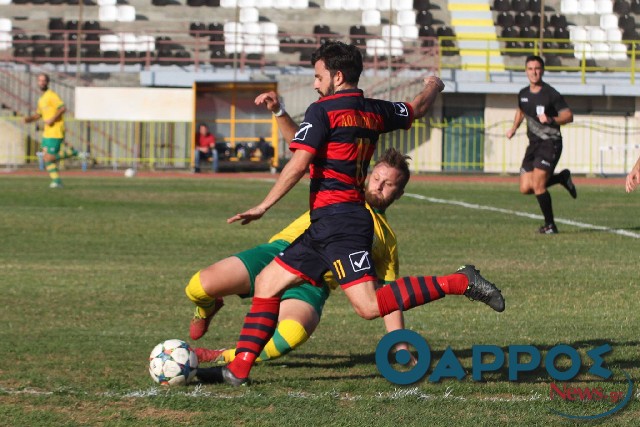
(48, 105)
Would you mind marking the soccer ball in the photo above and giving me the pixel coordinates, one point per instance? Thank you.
(173, 362)
(130, 173)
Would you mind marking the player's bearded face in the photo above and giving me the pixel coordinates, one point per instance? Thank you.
(382, 188)
(43, 84)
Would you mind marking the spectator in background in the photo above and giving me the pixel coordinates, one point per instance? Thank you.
(266, 150)
(205, 148)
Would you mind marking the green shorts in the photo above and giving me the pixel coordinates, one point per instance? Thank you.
(52, 145)
(257, 258)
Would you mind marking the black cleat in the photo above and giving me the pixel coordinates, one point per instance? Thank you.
(567, 183)
(548, 229)
(218, 375)
(480, 289)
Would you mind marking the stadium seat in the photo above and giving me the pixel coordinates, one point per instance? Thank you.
(107, 2)
(6, 41)
(333, 4)
(569, 7)
(522, 20)
(502, 5)
(583, 51)
(535, 6)
(384, 5)
(608, 21)
(587, 7)
(406, 17)
(618, 52)
(249, 14)
(627, 22)
(519, 5)
(424, 32)
(368, 4)
(409, 32)
(5, 2)
(596, 34)
(56, 24)
(214, 3)
(247, 3)
(108, 13)
(603, 7)
(578, 34)
(6, 25)
(419, 5)
(621, 7)
(371, 18)
(558, 21)
(424, 17)
(505, 19)
(228, 4)
(600, 51)
(109, 43)
(126, 13)
(614, 35)
(146, 43)
(398, 5)
(197, 29)
(196, 3)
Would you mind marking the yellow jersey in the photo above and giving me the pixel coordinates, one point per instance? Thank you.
(48, 105)
(385, 245)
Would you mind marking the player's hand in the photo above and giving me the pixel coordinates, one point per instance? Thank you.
(270, 100)
(248, 216)
(510, 133)
(633, 179)
(434, 80)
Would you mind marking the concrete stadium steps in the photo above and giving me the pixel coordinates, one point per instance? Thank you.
(473, 24)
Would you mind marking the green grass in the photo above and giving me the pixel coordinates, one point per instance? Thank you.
(93, 276)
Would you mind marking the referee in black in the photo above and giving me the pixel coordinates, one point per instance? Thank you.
(545, 110)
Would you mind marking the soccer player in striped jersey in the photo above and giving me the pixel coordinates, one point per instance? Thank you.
(336, 141)
(301, 307)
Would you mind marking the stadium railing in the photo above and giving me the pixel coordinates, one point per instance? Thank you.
(464, 145)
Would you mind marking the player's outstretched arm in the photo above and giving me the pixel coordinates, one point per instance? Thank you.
(272, 102)
(293, 171)
(633, 179)
(425, 99)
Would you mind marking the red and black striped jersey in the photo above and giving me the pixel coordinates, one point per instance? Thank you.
(342, 131)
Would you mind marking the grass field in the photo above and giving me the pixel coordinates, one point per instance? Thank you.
(93, 276)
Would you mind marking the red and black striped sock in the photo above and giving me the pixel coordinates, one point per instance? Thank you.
(409, 292)
(259, 326)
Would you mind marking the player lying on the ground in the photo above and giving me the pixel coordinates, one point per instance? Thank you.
(301, 308)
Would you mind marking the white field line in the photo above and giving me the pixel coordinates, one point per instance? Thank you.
(524, 214)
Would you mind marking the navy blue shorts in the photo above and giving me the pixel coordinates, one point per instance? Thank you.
(340, 243)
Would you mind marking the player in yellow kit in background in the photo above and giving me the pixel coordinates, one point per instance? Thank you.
(51, 110)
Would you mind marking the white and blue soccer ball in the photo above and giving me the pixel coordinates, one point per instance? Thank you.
(173, 362)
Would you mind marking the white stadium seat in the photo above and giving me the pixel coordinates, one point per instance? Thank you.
(146, 43)
(249, 14)
(587, 7)
(271, 44)
(600, 50)
(569, 7)
(614, 35)
(581, 50)
(371, 18)
(368, 4)
(229, 4)
(577, 34)
(108, 13)
(377, 47)
(609, 21)
(5, 2)
(126, 13)
(596, 34)
(107, 2)
(333, 4)
(618, 52)
(299, 4)
(406, 17)
(402, 4)
(351, 5)
(384, 5)
(129, 42)
(247, 3)
(6, 25)
(269, 28)
(604, 7)
(391, 31)
(409, 32)
(109, 43)
(282, 4)
(6, 41)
